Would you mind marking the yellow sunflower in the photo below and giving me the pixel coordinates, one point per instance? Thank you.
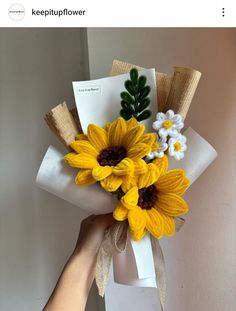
(152, 202)
(109, 155)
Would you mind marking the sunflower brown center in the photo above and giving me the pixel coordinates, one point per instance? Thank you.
(111, 156)
(147, 197)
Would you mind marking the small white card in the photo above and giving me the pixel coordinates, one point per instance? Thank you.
(98, 101)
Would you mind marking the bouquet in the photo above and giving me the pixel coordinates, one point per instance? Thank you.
(134, 162)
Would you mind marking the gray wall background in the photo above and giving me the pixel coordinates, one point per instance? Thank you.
(37, 230)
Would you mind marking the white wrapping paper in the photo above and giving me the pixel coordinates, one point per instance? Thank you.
(142, 273)
(135, 266)
(199, 155)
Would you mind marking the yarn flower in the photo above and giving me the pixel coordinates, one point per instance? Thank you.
(177, 146)
(168, 124)
(111, 154)
(161, 146)
(154, 201)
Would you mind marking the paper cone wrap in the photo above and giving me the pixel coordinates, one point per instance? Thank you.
(135, 266)
(199, 155)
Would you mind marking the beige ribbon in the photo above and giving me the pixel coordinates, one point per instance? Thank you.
(115, 241)
(159, 264)
(179, 222)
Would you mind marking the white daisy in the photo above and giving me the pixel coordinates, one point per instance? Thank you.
(168, 123)
(159, 153)
(177, 146)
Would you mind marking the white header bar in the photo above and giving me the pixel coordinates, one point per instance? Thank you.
(119, 13)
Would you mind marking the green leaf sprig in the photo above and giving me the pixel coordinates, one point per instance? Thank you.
(135, 100)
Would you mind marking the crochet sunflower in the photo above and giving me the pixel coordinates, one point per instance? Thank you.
(153, 200)
(109, 155)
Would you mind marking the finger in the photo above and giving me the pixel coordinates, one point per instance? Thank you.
(107, 220)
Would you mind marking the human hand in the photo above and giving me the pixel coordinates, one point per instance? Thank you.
(91, 234)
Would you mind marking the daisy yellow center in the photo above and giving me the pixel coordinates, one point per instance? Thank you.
(177, 146)
(147, 197)
(167, 124)
(111, 156)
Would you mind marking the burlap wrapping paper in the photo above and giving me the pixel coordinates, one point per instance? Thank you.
(173, 92)
(64, 123)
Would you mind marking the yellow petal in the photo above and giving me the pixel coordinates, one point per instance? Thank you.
(97, 137)
(169, 225)
(155, 146)
(138, 151)
(82, 160)
(155, 223)
(101, 172)
(148, 139)
(84, 178)
(120, 213)
(130, 199)
(133, 135)
(150, 177)
(171, 181)
(116, 132)
(162, 164)
(183, 187)
(129, 181)
(140, 167)
(81, 137)
(171, 204)
(84, 146)
(132, 122)
(107, 126)
(138, 235)
(137, 220)
(125, 167)
(111, 183)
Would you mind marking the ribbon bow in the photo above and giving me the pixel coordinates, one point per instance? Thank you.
(115, 241)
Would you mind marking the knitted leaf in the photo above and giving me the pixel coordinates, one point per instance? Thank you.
(144, 115)
(135, 99)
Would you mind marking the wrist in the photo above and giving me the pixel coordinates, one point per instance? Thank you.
(83, 263)
(86, 252)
